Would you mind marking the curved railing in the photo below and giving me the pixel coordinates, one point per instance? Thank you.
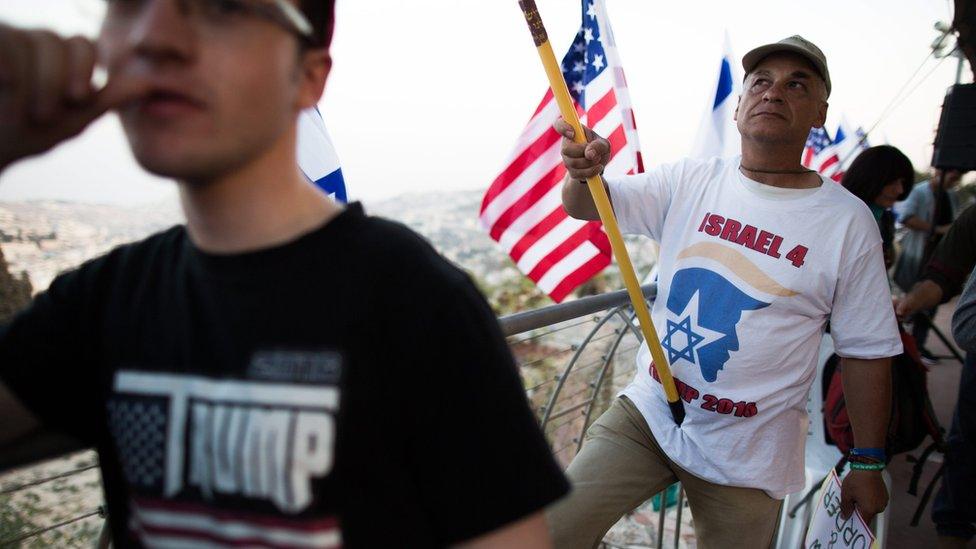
(54, 504)
(574, 359)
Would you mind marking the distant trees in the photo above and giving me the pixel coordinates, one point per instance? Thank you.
(15, 292)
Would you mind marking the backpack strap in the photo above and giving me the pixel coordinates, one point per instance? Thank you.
(813, 490)
(925, 496)
(806, 497)
(919, 465)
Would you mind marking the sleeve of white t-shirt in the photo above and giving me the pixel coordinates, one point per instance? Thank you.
(862, 322)
(641, 201)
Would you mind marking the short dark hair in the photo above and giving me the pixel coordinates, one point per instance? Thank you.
(874, 169)
(321, 14)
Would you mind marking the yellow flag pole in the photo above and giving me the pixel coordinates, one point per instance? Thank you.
(595, 184)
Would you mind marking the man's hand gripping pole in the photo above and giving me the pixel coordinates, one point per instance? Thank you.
(602, 201)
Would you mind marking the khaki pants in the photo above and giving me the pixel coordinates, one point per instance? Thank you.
(621, 466)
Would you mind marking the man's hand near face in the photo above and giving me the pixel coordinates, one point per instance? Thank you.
(46, 91)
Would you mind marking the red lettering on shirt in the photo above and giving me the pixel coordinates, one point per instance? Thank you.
(762, 241)
(714, 225)
(704, 220)
(774, 247)
(747, 237)
(750, 236)
(712, 403)
(796, 256)
(731, 230)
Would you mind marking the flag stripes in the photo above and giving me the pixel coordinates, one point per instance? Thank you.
(522, 209)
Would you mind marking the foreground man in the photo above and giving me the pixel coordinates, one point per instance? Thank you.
(757, 253)
(280, 371)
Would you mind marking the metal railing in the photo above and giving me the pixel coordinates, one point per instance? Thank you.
(53, 504)
(544, 317)
(574, 357)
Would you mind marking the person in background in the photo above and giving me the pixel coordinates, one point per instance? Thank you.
(954, 508)
(927, 213)
(881, 176)
(946, 272)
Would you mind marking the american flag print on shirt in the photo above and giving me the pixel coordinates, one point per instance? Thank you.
(522, 209)
(225, 462)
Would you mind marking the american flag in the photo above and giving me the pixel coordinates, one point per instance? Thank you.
(168, 523)
(522, 209)
(821, 153)
(139, 425)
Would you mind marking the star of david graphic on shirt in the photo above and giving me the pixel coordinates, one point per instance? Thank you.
(687, 335)
(706, 308)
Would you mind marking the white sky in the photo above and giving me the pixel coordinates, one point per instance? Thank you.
(431, 95)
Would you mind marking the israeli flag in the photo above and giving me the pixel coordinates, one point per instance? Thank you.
(851, 142)
(717, 134)
(317, 156)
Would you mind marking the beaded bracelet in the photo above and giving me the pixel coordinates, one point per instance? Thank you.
(866, 466)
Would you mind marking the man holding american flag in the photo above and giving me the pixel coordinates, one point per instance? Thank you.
(521, 209)
(757, 253)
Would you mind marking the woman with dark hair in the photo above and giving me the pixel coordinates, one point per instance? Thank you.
(881, 176)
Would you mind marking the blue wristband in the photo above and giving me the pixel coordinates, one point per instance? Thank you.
(875, 453)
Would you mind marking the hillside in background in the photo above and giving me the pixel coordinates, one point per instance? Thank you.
(44, 238)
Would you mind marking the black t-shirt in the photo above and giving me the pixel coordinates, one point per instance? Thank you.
(955, 256)
(942, 214)
(350, 387)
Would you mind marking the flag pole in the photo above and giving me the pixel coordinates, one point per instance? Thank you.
(561, 93)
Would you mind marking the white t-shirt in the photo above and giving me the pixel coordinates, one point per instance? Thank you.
(748, 277)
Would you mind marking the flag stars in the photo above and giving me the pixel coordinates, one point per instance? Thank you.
(579, 75)
(591, 11)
